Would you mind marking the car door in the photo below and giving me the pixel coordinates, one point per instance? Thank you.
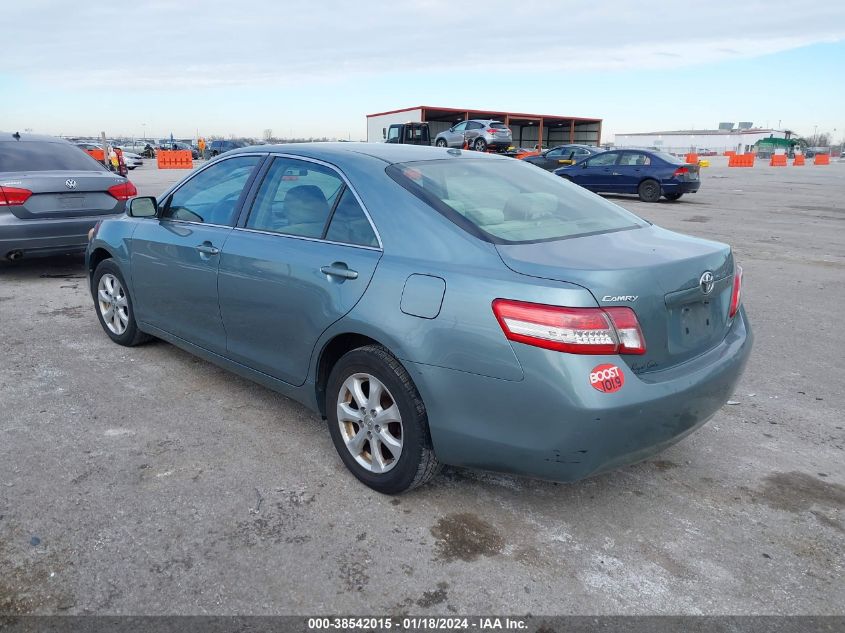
(175, 256)
(596, 173)
(297, 263)
(474, 129)
(456, 135)
(552, 158)
(632, 168)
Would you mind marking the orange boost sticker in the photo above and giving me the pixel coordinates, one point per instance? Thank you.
(607, 378)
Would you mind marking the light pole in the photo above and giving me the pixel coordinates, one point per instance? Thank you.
(144, 129)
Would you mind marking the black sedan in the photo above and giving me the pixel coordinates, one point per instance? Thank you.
(561, 155)
(646, 173)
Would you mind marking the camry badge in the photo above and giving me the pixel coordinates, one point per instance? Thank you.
(70, 183)
(706, 282)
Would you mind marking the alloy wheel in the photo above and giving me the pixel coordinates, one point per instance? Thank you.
(113, 304)
(370, 422)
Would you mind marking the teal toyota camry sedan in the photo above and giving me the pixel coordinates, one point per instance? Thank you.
(435, 306)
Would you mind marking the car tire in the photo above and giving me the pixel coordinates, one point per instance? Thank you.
(673, 196)
(479, 145)
(114, 307)
(441, 142)
(400, 420)
(649, 190)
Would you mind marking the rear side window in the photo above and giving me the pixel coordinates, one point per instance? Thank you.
(636, 159)
(349, 225)
(296, 198)
(509, 202)
(45, 156)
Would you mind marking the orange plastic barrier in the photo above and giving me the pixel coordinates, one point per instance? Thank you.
(821, 159)
(798, 161)
(741, 160)
(96, 154)
(692, 157)
(174, 159)
(730, 152)
(777, 160)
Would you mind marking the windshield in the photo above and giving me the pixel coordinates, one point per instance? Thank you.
(45, 156)
(508, 201)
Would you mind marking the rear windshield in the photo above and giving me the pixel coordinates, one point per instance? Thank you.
(44, 156)
(510, 202)
(498, 125)
(672, 160)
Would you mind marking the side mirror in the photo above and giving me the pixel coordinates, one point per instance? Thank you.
(144, 207)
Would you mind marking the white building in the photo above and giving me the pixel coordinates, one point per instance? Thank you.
(683, 141)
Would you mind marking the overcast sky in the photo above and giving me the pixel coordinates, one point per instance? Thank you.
(317, 68)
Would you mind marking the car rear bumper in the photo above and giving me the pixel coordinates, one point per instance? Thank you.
(555, 425)
(498, 142)
(45, 237)
(673, 186)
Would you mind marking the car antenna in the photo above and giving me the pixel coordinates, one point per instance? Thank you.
(16, 136)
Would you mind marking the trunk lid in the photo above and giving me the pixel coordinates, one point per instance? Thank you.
(52, 197)
(655, 272)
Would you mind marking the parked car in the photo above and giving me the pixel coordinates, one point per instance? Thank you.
(479, 135)
(555, 157)
(215, 148)
(180, 145)
(436, 307)
(51, 194)
(646, 173)
(132, 160)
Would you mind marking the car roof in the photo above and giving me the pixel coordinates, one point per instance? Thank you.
(387, 152)
(30, 138)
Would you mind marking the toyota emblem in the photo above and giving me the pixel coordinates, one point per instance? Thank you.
(70, 183)
(706, 282)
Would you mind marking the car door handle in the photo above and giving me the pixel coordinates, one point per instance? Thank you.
(340, 270)
(616, 173)
(208, 249)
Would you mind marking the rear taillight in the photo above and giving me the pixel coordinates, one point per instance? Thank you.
(680, 171)
(572, 330)
(736, 295)
(123, 191)
(13, 196)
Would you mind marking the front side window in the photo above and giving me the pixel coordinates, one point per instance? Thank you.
(506, 201)
(603, 160)
(393, 133)
(211, 196)
(460, 127)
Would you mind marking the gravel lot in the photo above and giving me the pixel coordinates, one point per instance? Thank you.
(146, 481)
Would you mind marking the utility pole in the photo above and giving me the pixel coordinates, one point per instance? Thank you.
(105, 150)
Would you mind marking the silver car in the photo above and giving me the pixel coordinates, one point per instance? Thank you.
(51, 194)
(479, 134)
